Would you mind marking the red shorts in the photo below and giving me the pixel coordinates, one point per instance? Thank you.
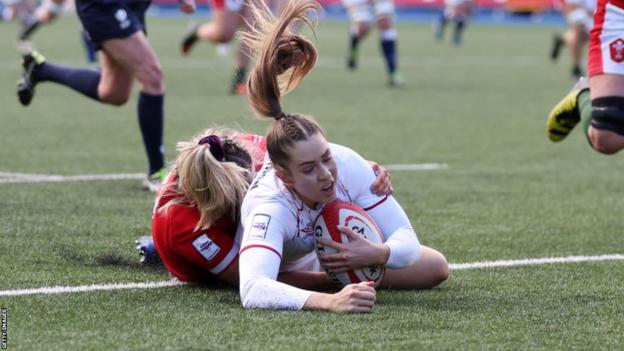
(606, 41)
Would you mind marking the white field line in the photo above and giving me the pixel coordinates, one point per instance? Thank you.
(535, 261)
(47, 178)
(417, 167)
(86, 288)
(14, 177)
(453, 266)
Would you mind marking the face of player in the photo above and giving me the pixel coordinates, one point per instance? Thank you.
(312, 171)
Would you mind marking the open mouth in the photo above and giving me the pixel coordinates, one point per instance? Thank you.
(328, 188)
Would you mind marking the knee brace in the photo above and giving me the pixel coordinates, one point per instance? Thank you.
(608, 114)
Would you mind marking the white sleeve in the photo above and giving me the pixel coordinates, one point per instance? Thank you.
(387, 213)
(400, 235)
(259, 262)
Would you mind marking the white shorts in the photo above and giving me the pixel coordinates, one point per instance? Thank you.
(368, 10)
(606, 41)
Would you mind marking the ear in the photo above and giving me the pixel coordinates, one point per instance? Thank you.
(284, 175)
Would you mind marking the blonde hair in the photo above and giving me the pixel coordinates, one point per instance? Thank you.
(283, 58)
(215, 187)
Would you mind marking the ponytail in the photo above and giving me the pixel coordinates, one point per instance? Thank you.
(283, 59)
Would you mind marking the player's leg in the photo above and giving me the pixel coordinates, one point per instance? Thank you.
(226, 20)
(606, 128)
(384, 11)
(239, 80)
(37, 70)
(602, 113)
(440, 22)
(576, 37)
(47, 12)
(137, 57)
(361, 16)
(430, 270)
(461, 16)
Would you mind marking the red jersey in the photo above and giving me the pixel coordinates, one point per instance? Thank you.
(187, 253)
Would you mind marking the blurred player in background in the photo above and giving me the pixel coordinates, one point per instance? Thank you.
(598, 103)
(305, 172)
(19, 9)
(458, 12)
(228, 16)
(48, 12)
(117, 28)
(362, 13)
(578, 14)
(197, 210)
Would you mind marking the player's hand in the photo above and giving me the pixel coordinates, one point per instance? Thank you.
(356, 253)
(354, 298)
(382, 184)
(187, 6)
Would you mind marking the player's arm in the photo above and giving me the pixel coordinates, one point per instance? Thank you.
(401, 247)
(259, 262)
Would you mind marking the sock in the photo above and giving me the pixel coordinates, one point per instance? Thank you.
(388, 46)
(439, 29)
(459, 29)
(354, 42)
(583, 101)
(576, 71)
(82, 80)
(151, 122)
(240, 74)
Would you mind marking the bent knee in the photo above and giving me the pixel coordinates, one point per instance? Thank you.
(604, 143)
(440, 271)
(115, 98)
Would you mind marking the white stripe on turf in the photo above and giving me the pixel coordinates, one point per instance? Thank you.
(453, 266)
(14, 177)
(536, 261)
(84, 288)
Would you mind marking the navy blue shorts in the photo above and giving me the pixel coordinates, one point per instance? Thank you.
(105, 19)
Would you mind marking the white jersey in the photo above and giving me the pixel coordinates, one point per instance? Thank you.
(278, 230)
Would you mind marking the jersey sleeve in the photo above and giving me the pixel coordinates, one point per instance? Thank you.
(212, 249)
(385, 210)
(259, 261)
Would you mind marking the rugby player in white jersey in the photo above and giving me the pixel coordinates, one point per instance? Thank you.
(305, 172)
(458, 12)
(362, 13)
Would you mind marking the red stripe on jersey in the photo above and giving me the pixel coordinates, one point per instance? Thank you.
(261, 247)
(376, 204)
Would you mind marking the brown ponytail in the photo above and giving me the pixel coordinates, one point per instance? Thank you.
(283, 58)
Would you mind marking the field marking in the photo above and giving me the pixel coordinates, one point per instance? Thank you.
(535, 261)
(168, 283)
(13, 178)
(16, 177)
(417, 167)
(85, 288)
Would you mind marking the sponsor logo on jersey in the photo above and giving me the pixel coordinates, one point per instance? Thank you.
(617, 50)
(206, 247)
(259, 226)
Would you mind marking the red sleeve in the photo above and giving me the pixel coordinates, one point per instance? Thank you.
(212, 249)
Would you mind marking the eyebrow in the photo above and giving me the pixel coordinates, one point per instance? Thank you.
(324, 155)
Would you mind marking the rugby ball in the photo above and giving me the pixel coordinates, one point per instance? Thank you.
(351, 216)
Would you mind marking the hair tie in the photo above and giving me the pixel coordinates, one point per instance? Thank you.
(214, 144)
(280, 116)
